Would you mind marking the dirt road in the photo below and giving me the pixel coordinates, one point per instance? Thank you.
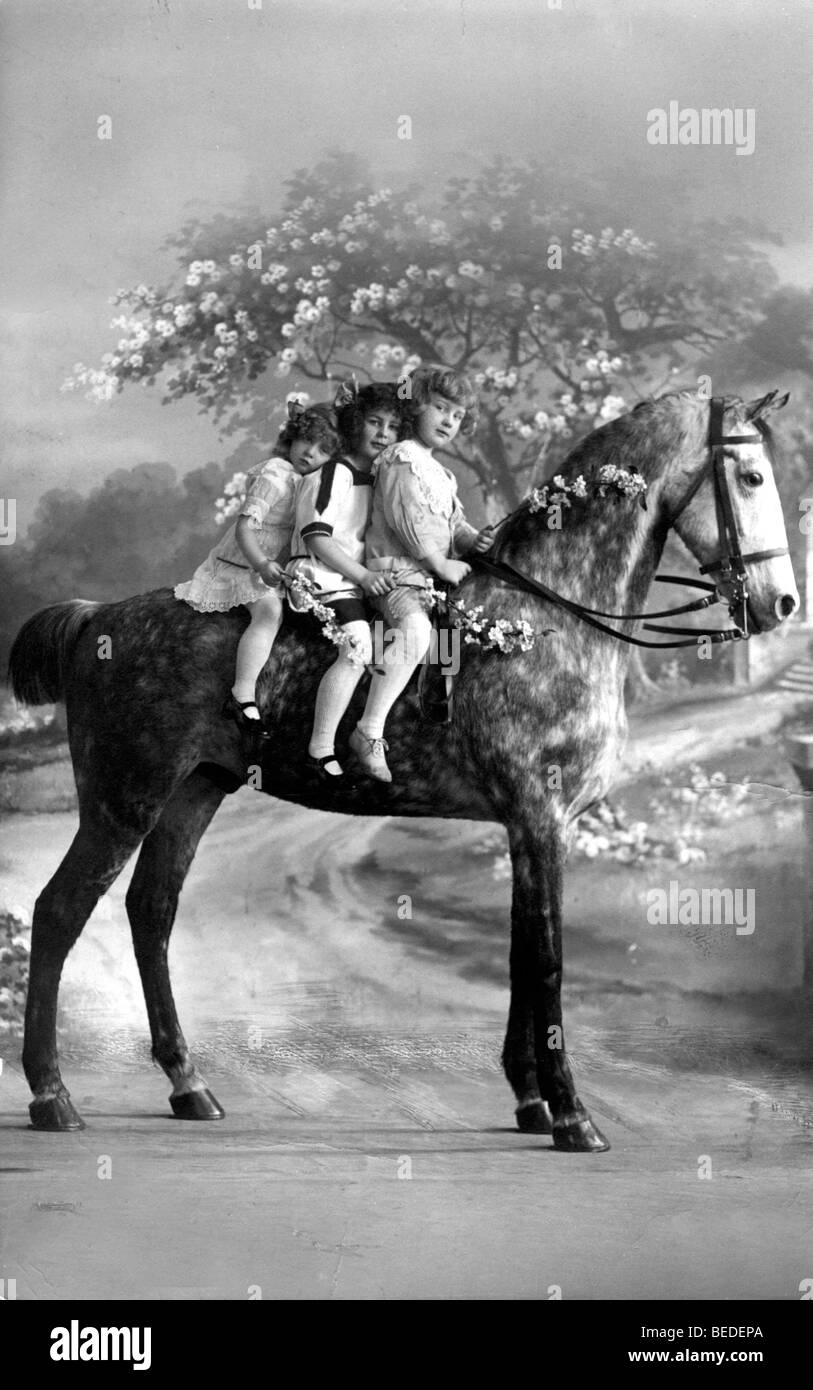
(368, 1149)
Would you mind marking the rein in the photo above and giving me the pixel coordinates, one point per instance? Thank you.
(730, 564)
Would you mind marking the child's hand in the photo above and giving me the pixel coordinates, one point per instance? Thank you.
(270, 572)
(483, 541)
(378, 582)
(453, 571)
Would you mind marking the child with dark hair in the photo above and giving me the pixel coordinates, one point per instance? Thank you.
(244, 567)
(332, 514)
(418, 533)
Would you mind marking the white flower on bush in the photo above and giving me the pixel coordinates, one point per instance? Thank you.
(612, 407)
(236, 485)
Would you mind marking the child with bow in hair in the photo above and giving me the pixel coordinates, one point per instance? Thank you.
(244, 566)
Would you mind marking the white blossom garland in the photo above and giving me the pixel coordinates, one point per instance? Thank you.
(621, 482)
(497, 634)
(492, 634)
(305, 593)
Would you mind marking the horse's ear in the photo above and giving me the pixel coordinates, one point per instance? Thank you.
(757, 410)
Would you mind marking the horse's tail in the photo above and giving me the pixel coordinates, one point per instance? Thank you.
(42, 650)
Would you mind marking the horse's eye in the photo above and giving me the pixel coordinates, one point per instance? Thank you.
(754, 479)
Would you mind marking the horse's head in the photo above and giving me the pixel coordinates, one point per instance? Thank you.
(724, 504)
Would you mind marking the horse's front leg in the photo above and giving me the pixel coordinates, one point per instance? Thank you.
(534, 1055)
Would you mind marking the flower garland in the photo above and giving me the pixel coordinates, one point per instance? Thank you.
(611, 480)
(500, 635)
(491, 634)
(305, 591)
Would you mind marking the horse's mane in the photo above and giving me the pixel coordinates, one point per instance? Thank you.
(627, 442)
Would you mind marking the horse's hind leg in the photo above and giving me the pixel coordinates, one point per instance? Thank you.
(96, 856)
(152, 901)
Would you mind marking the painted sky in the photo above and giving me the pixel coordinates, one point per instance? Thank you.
(215, 102)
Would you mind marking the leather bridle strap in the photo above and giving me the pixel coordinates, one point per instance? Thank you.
(500, 569)
(730, 565)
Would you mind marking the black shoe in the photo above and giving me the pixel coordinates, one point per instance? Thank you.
(318, 767)
(233, 709)
(341, 782)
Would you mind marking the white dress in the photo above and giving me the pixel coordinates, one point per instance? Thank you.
(225, 579)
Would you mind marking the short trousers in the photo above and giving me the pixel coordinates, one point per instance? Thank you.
(348, 610)
(410, 597)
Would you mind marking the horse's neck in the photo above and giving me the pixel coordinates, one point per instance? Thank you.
(606, 551)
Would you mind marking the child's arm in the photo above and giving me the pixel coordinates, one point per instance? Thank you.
(267, 569)
(450, 571)
(331, 554)
(476, 542)
(467, 539)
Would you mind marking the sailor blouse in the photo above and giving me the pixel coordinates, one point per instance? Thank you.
(334, 501)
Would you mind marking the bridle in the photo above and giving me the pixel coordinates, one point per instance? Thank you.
(730, 564)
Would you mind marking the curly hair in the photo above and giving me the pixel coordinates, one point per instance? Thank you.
(435, 379)
(379, 395)
(316, 423)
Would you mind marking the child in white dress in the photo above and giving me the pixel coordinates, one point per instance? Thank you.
(417, 533)
(332, 513)
(244, 567)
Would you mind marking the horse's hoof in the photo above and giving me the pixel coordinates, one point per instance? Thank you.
(534, 1118)
(579, 1136)
(196, 1105)
(55, 1114)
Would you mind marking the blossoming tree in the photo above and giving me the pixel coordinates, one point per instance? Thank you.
(560, 321)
